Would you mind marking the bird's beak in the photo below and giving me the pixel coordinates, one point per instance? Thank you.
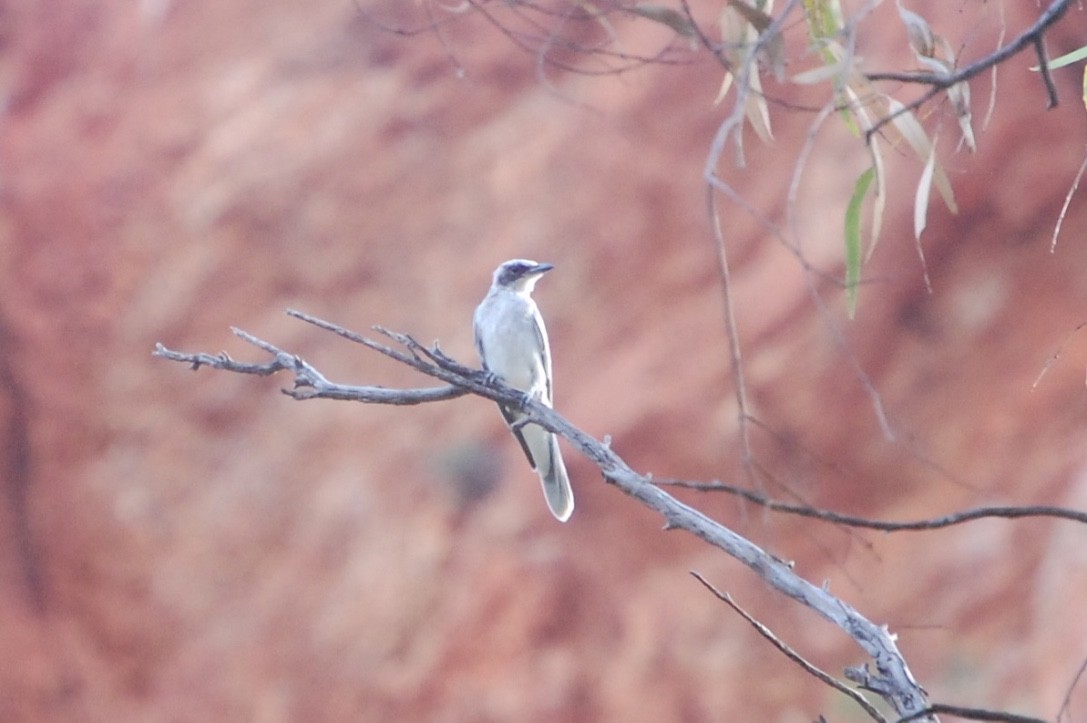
(542, 269)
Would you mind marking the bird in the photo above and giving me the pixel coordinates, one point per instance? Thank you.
(511, 340)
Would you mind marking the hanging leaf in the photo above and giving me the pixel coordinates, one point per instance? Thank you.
(758, 111)
(853, 239)
(880, 201)
(920, 212)
(959, 95)
(738, 34)
(924, 190)
(910, 128)
(922, 39)
(819, 74)
(858, 113)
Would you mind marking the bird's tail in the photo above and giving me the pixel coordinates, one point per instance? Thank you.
(556, 483)
(542, 449)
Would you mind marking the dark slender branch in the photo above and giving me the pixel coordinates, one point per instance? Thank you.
(1032, 36)
(1047, 76)
(17, 489)
(956, 518)
(971, 714)
(1066, 704)
(791, 654)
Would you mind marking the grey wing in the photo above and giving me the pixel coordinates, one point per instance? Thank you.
(478, 339)
(541, 338)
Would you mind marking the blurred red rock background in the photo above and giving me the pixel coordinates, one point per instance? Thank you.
(193, 547)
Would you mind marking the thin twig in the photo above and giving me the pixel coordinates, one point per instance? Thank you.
(1056, 355)
(935, 523)
(1067, 203)
(1066, 704)
(1043, 68)
(791, 654)
(732, 328)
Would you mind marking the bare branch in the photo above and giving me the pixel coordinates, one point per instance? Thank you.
(308, 382)
(891, 678)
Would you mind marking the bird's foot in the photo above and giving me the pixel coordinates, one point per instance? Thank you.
(488, 377)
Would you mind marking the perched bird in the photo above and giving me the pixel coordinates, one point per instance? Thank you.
(512, 344)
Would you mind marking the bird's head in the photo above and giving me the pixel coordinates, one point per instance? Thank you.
(519, 274)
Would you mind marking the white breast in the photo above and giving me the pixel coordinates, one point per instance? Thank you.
(507, 330)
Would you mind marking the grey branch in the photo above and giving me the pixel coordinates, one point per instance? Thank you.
(890, 678)
(308, 382)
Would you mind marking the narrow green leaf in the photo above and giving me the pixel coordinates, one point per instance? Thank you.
(853, 239)
(824, 18)
(1066, 59)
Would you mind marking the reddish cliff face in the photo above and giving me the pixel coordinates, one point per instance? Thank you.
(181, 546)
